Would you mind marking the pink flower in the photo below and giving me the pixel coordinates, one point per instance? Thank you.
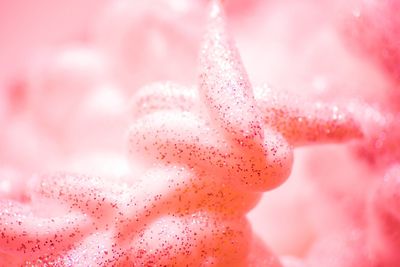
(200, 157)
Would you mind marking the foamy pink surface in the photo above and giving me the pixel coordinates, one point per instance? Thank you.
(164, 173)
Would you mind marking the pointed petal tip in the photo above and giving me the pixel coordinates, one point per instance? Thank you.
(215, 9)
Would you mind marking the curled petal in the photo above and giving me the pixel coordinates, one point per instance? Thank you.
(303, 122)
(192, 240)
(26, 234)
(92, 196)
(98, 249)
(224, 84)
(163, 96)
(185, 139)
(181, 191)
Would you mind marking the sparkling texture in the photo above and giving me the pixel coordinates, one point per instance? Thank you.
(209, 152)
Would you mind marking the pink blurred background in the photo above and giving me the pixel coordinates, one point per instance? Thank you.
(30, 28)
